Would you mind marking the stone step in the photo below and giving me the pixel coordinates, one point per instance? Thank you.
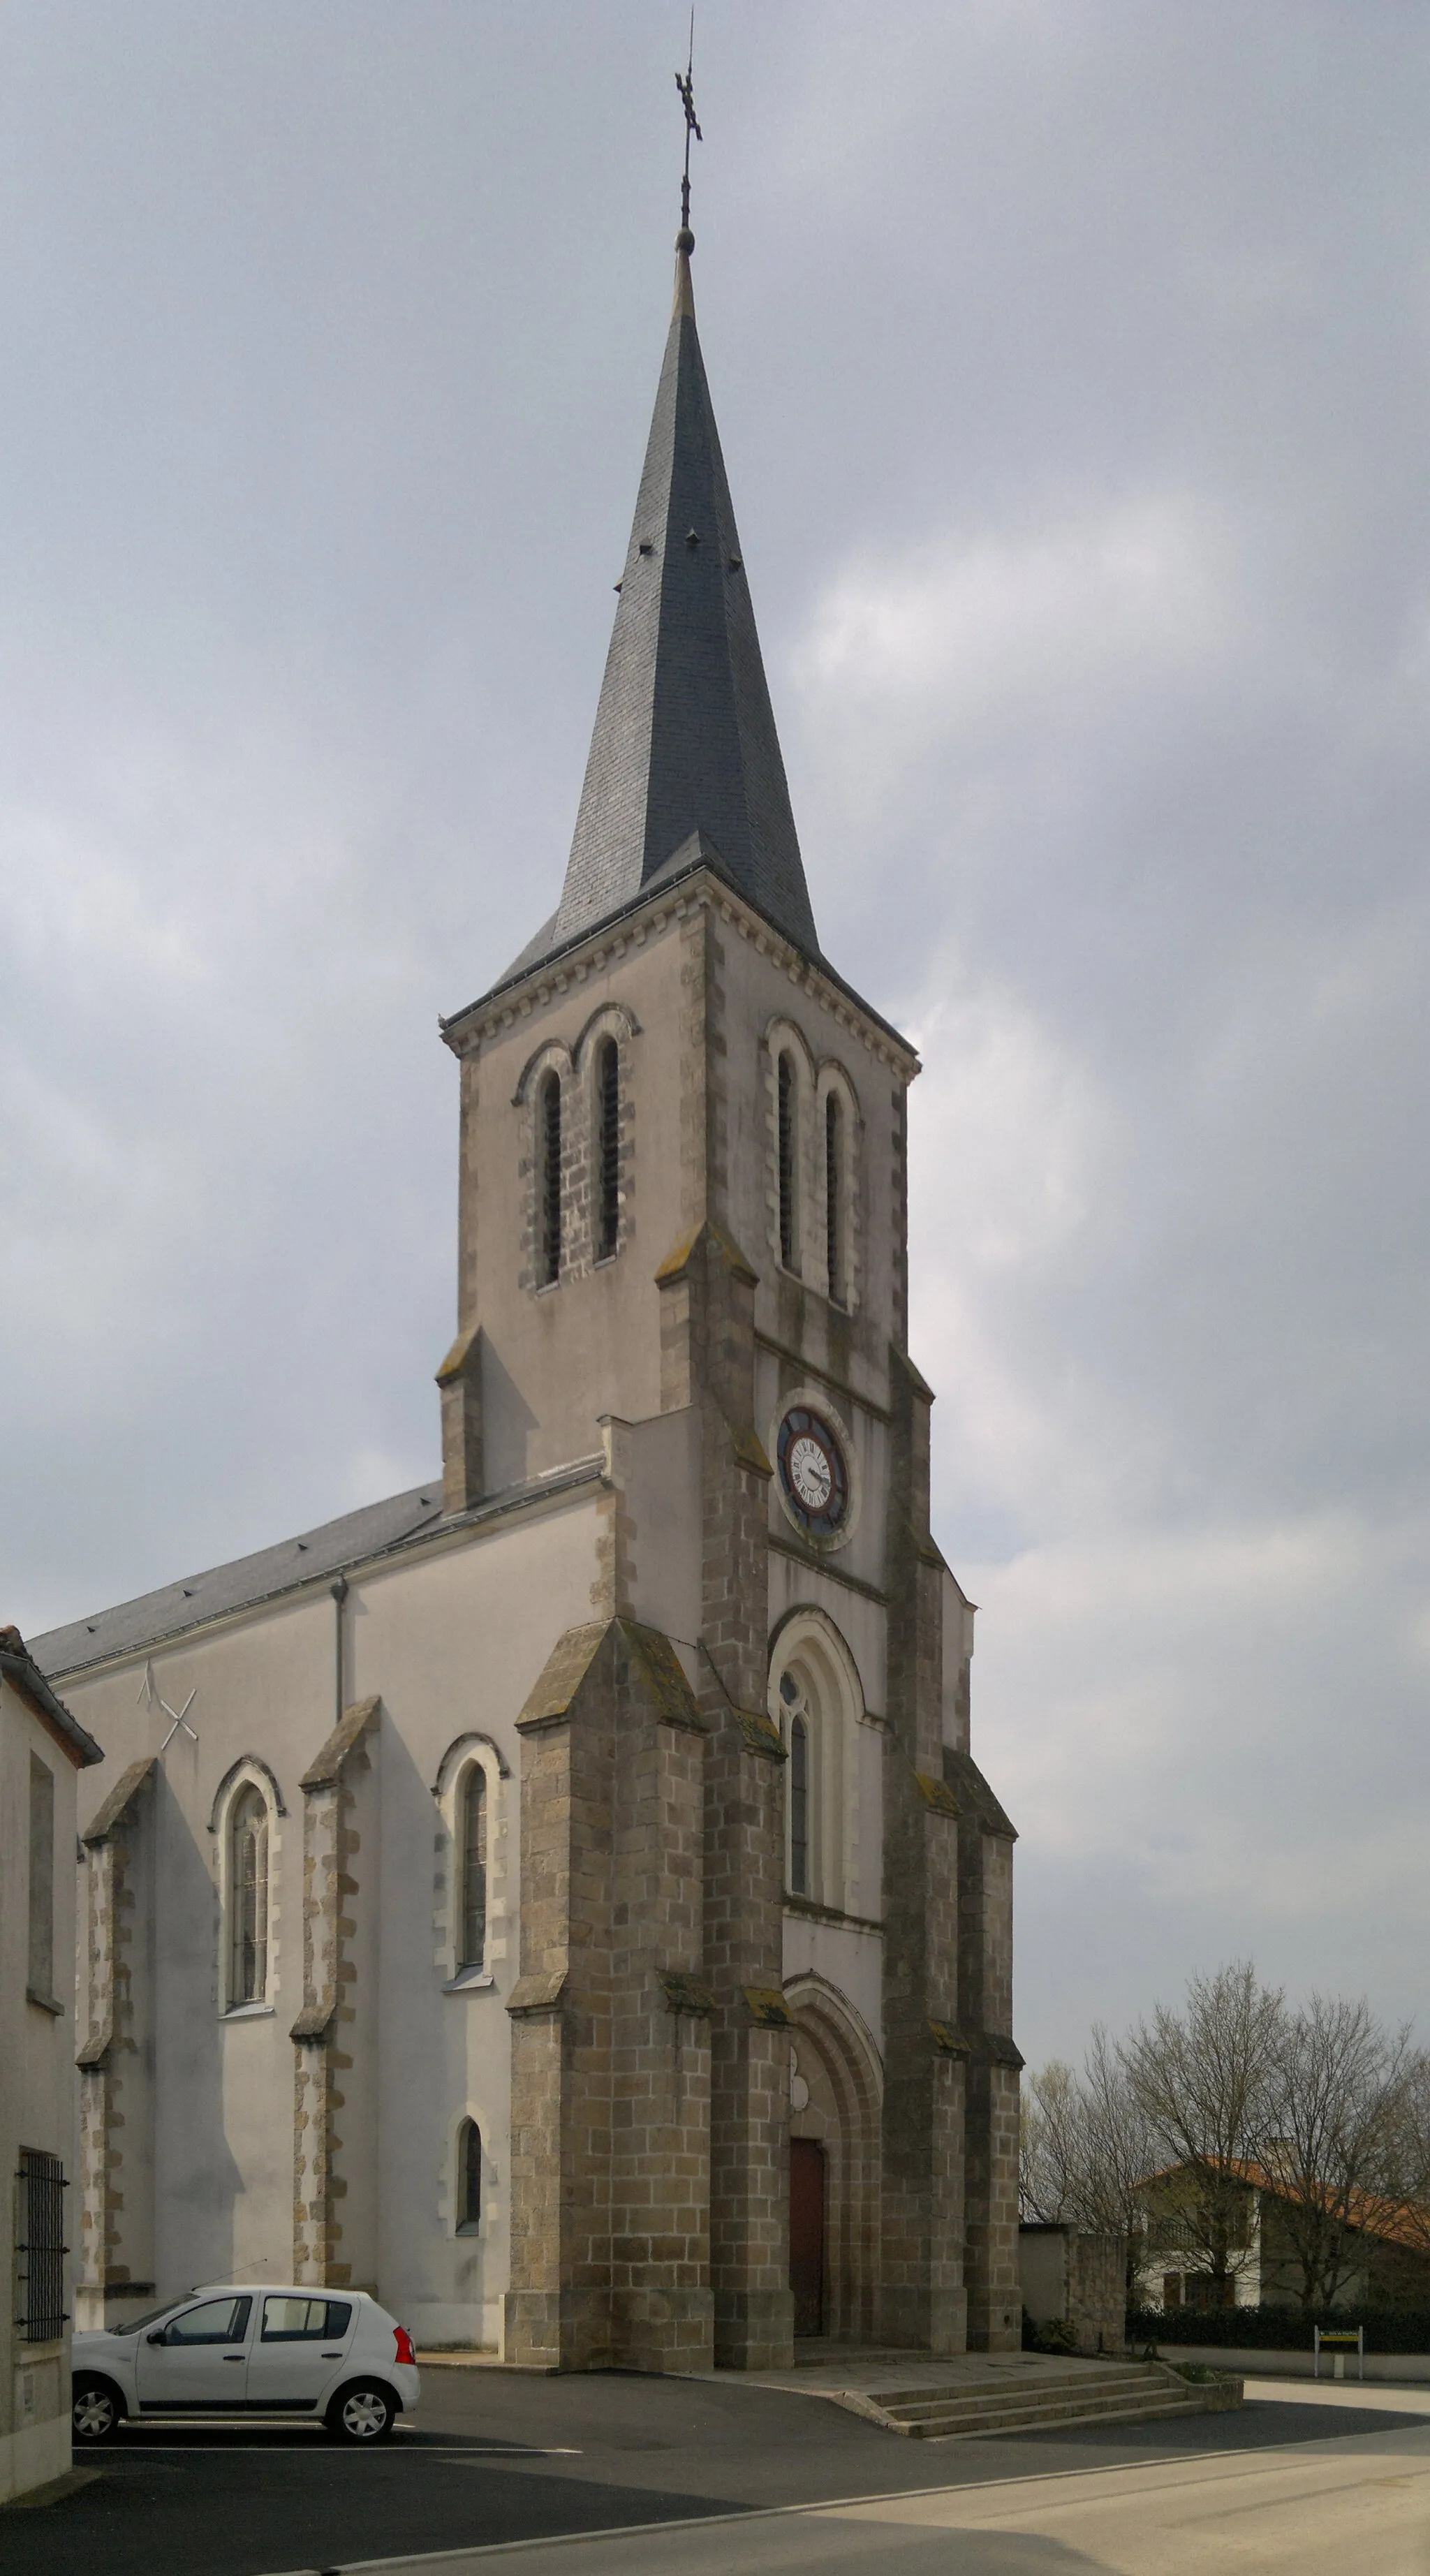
(1115, 2394)
(1018, 2390)
(1149, 2410)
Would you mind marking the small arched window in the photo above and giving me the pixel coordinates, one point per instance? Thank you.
(548, 1120)
(608, 1117)
(248, 1898)
(834, 1196)
(786, 1140)
(469, 2178)
(797, 1783)
(473, 1834)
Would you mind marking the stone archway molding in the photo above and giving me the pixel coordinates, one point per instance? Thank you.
(828, 2025)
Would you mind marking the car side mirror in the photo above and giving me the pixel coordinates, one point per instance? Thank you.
(159, 2335)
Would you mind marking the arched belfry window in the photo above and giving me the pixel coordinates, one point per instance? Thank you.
(469, 2178)
(788, 1148)
(248, 1898)
(834, 1213)
(608, 1147)
(548, 1131)
(472, 1838)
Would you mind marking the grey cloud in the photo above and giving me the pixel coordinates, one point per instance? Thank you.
(1071, 367)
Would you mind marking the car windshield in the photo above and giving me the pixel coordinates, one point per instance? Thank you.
(151, 2316)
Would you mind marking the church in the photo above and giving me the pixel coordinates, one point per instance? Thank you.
(562, 1899)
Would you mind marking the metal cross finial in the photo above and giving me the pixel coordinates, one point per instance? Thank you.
(685, 83)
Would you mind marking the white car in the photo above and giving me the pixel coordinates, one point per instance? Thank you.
(250, 2349)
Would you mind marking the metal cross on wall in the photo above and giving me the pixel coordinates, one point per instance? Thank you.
(149, 1691)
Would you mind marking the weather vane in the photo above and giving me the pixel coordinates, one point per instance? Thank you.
(685, 83)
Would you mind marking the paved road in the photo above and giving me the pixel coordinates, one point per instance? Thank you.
(494, 2457)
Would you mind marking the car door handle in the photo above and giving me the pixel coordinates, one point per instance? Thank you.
(331, 2356)
(234, 2356)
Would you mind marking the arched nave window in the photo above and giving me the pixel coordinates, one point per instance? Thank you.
(469, 2178)
(248, 1897)
(472, 1865)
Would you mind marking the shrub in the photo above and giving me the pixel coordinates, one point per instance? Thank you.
(1283, 2329)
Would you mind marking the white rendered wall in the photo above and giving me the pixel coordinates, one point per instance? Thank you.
(37, 2084)
(451, 1636)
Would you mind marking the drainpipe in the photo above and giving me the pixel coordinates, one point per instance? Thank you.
(340, 1594)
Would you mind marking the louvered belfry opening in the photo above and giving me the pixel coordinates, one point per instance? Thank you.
(786, 1155)
(549, 1129)
(833, 1196)
(608, 1091)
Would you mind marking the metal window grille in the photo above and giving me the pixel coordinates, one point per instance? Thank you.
(833, 1197)
(786, 1152)
(40, 2247)
(610, 1095)
(799, 1808)
(474, 1868)
(551, 1179)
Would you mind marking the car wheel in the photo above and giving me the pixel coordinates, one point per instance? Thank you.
(96, 2413)
(365, 2413)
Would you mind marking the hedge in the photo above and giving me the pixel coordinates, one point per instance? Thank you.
(1282, 2329)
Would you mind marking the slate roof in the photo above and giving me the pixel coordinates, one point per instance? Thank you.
(352, 1540)
(685, 738)
(379, 1529)
(21, 1669)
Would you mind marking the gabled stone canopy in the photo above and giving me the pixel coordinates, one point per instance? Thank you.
(685, 739)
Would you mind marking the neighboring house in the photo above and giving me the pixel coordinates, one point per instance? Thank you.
(1388, 2263)
(41, 1749)
(561, 1898)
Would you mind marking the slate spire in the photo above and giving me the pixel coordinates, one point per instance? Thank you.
(685, 739)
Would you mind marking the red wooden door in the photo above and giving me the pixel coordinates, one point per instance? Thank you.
(806, 2234)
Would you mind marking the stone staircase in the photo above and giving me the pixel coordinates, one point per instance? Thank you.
(1022, 2394)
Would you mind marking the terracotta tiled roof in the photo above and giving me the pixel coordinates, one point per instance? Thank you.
(1394, 2222)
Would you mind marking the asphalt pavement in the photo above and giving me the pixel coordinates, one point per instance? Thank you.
(497, 2456)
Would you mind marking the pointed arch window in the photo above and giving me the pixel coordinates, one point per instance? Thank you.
(797, 1782)
(834, 1198)
(469, 2178)
(248, 1898)
(472, 1821)
(608, 1119)
(787, 1162)
(548, 1124)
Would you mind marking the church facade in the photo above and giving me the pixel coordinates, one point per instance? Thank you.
(562, 1898)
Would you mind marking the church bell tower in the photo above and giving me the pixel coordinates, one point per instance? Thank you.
(763, 2079)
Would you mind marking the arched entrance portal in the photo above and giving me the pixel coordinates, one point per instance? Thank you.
(834, 2164)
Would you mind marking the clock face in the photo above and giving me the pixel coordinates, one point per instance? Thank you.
(813, 1472)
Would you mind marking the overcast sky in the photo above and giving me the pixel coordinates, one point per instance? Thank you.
(1073, 369)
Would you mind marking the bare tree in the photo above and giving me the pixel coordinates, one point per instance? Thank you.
(1086, 2148)
(1050, 2143)
(1341, 2109)
(1119, 2150)
(1205, 2082)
